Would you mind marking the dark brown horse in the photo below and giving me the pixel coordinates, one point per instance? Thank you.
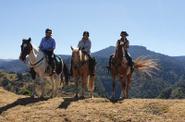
(119, 68)
(80, 69)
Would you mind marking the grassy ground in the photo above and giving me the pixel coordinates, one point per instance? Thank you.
(14, 108)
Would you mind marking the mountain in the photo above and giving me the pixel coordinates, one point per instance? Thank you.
(104, 53)
(20, 108)
(168, 82)
(12, 66)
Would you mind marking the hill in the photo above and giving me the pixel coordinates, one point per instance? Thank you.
(169, 82)
(14, 108)
(12, 66)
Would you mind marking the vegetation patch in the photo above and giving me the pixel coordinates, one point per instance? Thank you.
(156, 108)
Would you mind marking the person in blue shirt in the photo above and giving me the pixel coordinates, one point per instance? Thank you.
(47, 46)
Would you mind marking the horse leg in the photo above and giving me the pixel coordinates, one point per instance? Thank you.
(91, 85)
(84, 81)
(123, 87)
(42, 89)
(76, 83)
(113, 86)
(57, 85)
(33, 90)
(53, 88)
(128, 80)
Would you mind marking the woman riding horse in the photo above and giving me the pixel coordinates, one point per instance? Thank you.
(83, 65)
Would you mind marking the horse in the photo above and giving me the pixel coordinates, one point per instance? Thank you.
(36, 59)
(80, 69)
(118, 66)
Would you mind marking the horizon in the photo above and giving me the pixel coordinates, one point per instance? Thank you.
(152, 24)
(9, 59)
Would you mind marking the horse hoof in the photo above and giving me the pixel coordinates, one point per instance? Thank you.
(121, 98)
(76, 96)
(112, 98)
(82, 97)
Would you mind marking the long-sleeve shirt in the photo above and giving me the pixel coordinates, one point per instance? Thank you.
(85, 45)
(47, 44)
(123, 42)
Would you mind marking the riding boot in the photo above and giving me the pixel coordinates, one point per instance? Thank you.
(33, 73)
(92, 64)
(130, 61)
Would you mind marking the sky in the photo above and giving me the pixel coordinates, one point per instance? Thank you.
(158, 25)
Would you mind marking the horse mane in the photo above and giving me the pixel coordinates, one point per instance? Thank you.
(36, 50)
(82, 56)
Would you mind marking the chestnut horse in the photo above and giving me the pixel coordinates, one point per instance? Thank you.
(80, 69)
(119, 68)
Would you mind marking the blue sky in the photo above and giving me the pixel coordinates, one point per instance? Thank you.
(157, 24)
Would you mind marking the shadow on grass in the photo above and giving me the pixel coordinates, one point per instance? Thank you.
(67, 101)
(21, 101)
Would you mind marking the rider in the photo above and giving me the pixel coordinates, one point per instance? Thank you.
(85, 45)
(125, 42)
(47, 46)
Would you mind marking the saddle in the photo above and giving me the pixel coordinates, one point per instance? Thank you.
(56, 64)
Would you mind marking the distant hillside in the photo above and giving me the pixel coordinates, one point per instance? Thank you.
(16, 108)
(166, 83)
(12, 66)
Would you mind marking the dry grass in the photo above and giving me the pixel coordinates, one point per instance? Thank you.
(89, 110)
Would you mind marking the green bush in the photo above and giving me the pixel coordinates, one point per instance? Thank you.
(24, 91)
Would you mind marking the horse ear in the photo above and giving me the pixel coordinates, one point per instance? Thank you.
(29, 39)
(72, 48)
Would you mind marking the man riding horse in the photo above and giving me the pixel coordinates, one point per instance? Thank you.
(125, 44)
(85, 45)
(47, 46)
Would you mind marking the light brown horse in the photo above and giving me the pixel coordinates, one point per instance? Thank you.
(80, 69)
(119, 68)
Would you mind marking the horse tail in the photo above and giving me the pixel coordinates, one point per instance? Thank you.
(66, 73)
(109, 64)
(146, 66)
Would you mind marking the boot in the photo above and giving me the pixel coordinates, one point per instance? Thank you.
(92, 64)
(130, 62)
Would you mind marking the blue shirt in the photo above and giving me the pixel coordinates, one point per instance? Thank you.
(47, 44)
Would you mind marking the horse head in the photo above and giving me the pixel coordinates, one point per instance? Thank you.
(26, 48)
(120, 50)
(75, 55)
